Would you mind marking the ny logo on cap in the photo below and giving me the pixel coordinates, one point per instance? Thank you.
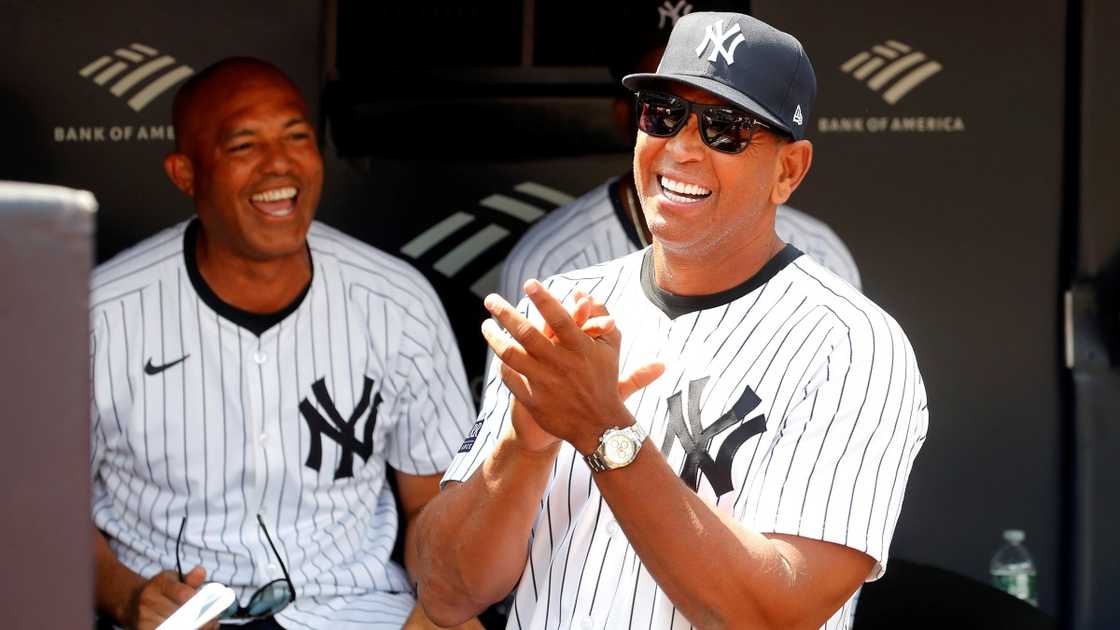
(714, 34)
(668, 11)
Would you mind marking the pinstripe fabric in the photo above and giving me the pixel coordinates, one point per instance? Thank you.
(589, 231)
(221, 436)
(845, 416)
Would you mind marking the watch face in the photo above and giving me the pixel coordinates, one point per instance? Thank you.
(619, 450)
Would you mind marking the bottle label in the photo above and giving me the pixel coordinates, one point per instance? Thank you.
(1021, 585)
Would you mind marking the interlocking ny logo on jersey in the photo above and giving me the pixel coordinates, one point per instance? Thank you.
(340, 430)
(715, 35)
(889, 62)
(105, 68)
(670, 13)
(696, 440)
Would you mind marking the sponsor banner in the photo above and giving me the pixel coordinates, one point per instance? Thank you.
(93, 110)
(937, 139)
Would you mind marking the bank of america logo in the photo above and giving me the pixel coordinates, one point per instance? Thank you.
(894, 66)
(464, 245)
(138, 64)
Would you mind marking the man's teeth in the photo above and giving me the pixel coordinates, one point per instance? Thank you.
(276, 194)
(683, 188)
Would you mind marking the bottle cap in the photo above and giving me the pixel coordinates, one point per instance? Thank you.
(1014, 536)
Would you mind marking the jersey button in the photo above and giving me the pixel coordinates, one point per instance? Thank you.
(612, 529)
(260, 357)
(263, 439)
(586, 624)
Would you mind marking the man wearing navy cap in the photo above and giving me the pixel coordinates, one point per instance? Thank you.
(749, 468)
(607, 221)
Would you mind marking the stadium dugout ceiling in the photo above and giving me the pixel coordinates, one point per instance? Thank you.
(511, 78)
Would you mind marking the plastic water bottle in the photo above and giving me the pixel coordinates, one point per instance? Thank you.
(1012, 568)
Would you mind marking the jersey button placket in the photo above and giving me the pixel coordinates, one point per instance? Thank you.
(254, 421)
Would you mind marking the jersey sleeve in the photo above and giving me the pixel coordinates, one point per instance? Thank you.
(97, 440)
(819, 241)
(839, 465)
(513, 276)
(435, 408)
(493, 416)
(104, 376)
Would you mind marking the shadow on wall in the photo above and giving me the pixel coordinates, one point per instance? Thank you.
(1108, 297)
(921, 597)
(364, 123)
(24, 158)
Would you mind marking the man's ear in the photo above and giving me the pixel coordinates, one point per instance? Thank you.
(794, 160)
(180, 170)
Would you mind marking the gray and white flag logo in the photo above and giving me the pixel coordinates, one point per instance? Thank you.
(479, 235)
(894, 64)
(143, 63)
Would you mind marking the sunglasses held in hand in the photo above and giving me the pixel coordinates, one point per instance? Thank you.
(267, 601)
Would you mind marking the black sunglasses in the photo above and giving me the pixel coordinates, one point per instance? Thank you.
(267, 601)
(725, 129)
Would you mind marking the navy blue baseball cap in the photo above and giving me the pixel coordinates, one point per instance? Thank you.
(743, 61)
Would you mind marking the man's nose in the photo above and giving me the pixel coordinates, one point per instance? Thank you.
(686, 145)
(276, 161)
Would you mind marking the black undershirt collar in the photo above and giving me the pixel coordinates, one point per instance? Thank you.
(676, 305)
(257, 323)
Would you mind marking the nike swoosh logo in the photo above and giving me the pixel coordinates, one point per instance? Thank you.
(156, 369)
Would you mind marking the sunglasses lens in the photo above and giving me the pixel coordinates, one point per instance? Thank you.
(231, 611)
(269, 600)
(726, 130)
(661, 115)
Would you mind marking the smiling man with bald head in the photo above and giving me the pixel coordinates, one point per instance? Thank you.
(255, 204)
(254, 373)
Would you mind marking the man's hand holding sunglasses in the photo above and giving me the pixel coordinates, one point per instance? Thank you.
(161, 596)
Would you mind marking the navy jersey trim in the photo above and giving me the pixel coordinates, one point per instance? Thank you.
(676, 305)
(256, 323)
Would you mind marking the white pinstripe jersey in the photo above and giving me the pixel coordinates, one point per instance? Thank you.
(804, 394)
(594, 229)
(295, 425)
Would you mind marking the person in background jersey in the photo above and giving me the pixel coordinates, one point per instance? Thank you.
(253, 372)
(607, 222)
(713, 432)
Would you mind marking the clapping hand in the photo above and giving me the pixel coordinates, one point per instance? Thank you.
(564, 374)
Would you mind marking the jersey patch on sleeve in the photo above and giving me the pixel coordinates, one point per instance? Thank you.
(468, 443)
